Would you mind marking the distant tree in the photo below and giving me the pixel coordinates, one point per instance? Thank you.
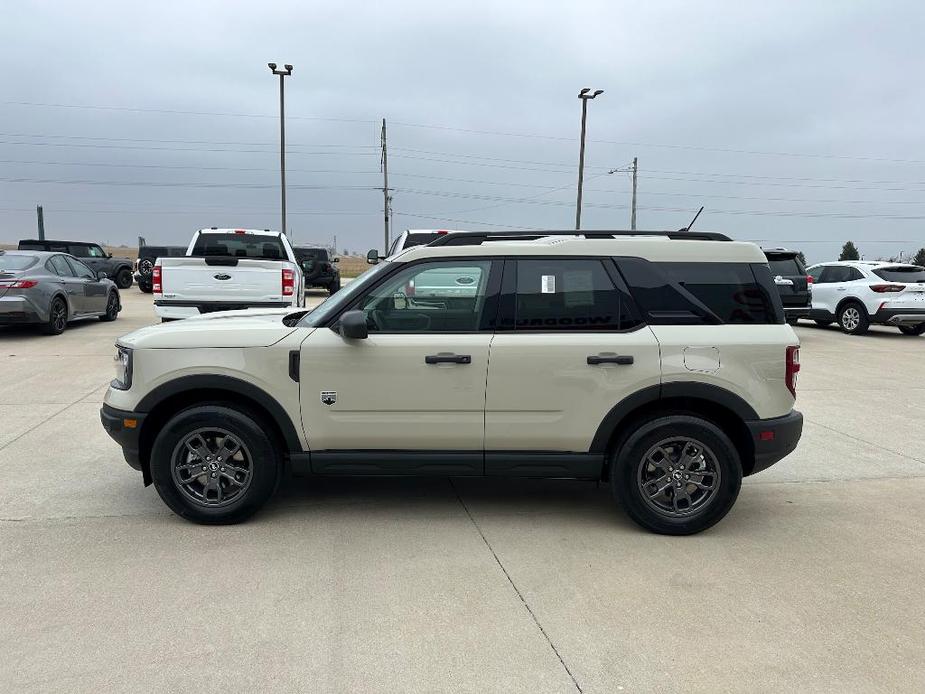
(802, 258)
(919, 258)
(849, 252)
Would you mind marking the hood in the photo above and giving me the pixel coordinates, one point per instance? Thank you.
(247, 328)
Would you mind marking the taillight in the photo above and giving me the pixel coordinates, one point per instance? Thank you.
(156, 275)
(887, 288)
(809, 279)
(793, 368)
(288, 282)
(18, 284)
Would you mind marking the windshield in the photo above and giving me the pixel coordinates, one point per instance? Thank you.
(14, 263)
(784, 266)
(902, 273)
(330, 306)
(256, 246)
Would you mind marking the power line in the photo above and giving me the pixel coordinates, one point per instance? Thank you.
(179, 184)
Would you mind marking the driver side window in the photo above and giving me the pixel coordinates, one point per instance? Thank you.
(81, 270)
(433, 297)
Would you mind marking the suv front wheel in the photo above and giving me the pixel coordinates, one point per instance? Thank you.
(214, 464)
(676, 475)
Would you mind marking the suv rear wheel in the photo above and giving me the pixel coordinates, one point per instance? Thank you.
(677, 475)
(852, 318)
(214, 464)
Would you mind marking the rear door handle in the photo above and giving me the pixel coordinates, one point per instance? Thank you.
(622, 359)
(448, 358)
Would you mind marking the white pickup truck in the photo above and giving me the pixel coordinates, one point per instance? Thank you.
(225, 270)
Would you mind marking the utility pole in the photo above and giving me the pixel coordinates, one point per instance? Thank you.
(386, 198)
(633, 213)
(41, 220)
(285, 72)
(584, 95)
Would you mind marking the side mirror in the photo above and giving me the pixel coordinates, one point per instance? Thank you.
(102, 275)
(372, 257)
(109, 255)
(352, 326)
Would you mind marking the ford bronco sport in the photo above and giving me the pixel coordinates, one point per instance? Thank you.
(660, 363)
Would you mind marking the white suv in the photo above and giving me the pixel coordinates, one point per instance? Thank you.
(856, 293)
(660, 363)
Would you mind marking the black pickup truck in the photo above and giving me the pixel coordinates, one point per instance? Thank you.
(144, 266)
(119, 270)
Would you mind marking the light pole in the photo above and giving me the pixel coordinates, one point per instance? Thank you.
(285, 72)
(584, 95)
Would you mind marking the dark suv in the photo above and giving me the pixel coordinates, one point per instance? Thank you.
(319, 268)
(119, 270)
(144, 266)
(793, 283)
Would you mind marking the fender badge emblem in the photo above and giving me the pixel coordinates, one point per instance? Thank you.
(328, 397)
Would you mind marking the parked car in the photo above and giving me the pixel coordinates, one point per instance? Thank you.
(52, 289)
(793, 284)
(857, 293)
(119, 270)
(228, 269)
(319, 268)
(416, 237)
(630, 360)
(147, 256)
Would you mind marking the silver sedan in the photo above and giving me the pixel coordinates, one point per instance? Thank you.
(52, 289)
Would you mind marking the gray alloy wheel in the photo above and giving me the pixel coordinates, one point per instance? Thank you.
(124, 278)
(112, 308)
(57, 317)
(852, 319)
(678, 477)
(211, 467)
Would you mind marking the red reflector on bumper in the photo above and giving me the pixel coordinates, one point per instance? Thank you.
(766, 435)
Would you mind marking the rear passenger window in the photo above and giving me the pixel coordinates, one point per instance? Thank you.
(703, 293)
(60, 267)
(576, 295)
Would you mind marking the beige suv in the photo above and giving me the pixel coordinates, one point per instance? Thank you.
(658, 362)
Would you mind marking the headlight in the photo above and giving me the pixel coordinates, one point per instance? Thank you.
(123, 364)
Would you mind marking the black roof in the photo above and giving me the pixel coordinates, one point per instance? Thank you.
(69, 243)
(475, 238)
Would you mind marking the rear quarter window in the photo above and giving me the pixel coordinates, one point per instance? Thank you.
(703, 293)
(910, 273)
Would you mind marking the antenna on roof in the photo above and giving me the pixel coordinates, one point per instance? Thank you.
(688, 227)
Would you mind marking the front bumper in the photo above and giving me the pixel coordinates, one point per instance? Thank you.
(774, 438)
(125, 429)
(899, 316)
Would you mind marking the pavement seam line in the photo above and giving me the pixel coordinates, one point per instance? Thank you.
(51, 417)
(869, 443)
(514, 586)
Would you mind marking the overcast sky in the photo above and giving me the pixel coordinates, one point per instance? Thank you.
(793, 123)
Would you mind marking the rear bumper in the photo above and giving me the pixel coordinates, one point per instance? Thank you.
(796, 311)
(188, 309)
(118, 424)
(774, 438)
(17, 310)
(899, 316)
(322, 280)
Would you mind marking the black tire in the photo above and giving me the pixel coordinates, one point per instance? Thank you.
(123, 278)
(57, 317)
(630, 465)
(912, 329)
(259, 455)
(852, 318)
(823, 323)
(112, 308)
(145, 288)
(334, 286)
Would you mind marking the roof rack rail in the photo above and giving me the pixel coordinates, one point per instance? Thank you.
(476, 238)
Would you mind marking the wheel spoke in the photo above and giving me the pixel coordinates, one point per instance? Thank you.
(198, 447)
(659, 489)
(229, 447)
(231, 478)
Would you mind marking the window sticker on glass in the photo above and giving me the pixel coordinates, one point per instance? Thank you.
(548, 284)
(578, 288)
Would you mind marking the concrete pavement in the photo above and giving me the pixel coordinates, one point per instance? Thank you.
(810, 584)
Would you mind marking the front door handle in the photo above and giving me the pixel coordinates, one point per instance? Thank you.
(448, 358)
(622, 359)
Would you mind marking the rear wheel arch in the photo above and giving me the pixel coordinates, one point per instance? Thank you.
(174, 396)
(721, 407)
(851, 300)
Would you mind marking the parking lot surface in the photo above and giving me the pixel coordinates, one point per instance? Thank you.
(812, 583)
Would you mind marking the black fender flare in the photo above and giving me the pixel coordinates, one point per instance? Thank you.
(851, 300)
(185, 384)
(673, 389)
